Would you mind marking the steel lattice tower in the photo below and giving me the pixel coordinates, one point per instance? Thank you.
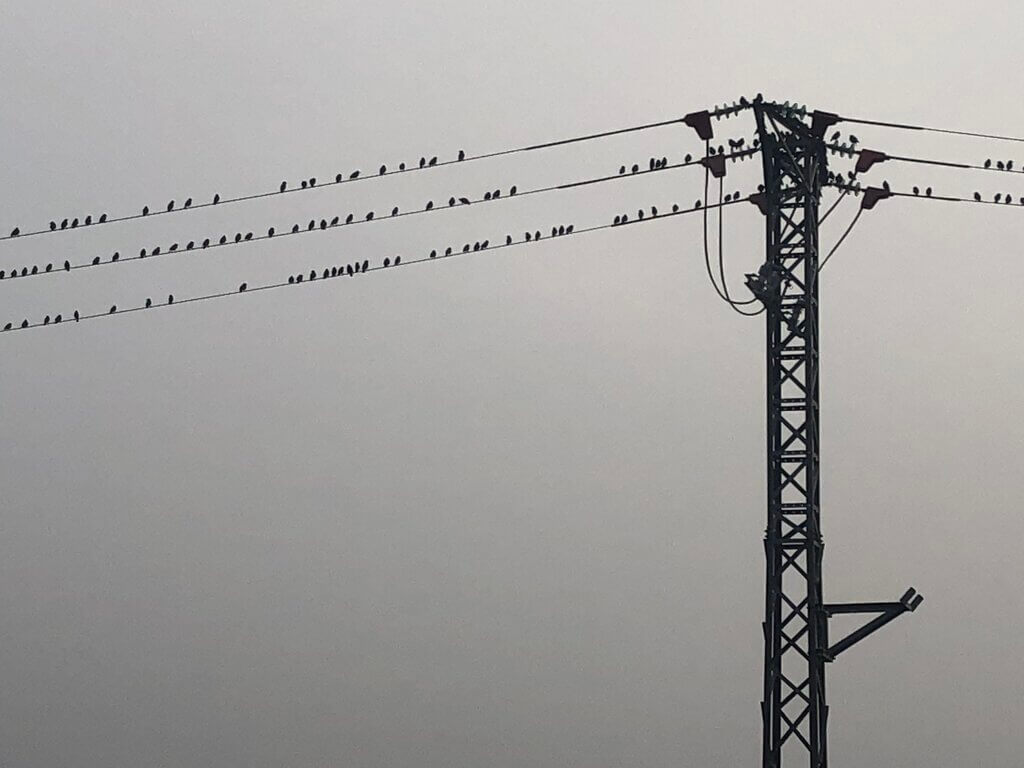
(796, 642)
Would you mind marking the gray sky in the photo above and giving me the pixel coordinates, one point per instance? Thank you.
(502, 511)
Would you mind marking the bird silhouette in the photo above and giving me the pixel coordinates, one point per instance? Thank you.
(429, 205)
(24, 271)
(76, 316)
(635, 168)
(15, 232)
(223, 239)
(113, 309)
(512, 190)
(53, 225)
(149, 303)
(433, 254)
(349, 270)
(917, 191)
(305, 184)
(484, 244)
(334, 271)
(999, 165)
(338, 178)
(568, 230)
(298, 278)
(88, 220)
(622, 169)
(283, 187)
(977, 197)
(616, 221)
(464, 200)
(654, 210)
(145, 210)
(928, 192)
(96, 261)
(1009, 165)
(354, 175)
(188, 203)
(988, 163)
(433, 161)
(206, 243)
(448, 251)
(1009, 199)
(675, 207)
(192, 244)
(349, 218)
(270, 232)
(323, 223)
(398, 260)
(67, 266)
(170, 206)
(369, 216)
(173, 248)
(35, 270)
(58, 318)
(462, 154)
(7, 327)
(835, 136)
(508, 239)
(401, 166)
(24, 323)
(248, 236)
(451, 201)
(536, 235)
(326, 273)
(46, 320)
(423, 161)
(64, 224)
(216, 198)
(311, 225)
(383, 170)
(529, 237)
(885, 185)
(242, 287)
(156, 251)
(495, 194)
(312, 182)
(394, 211)
(387, 262)
(465, 248)
(291, 279)
(335, 220)
(103, 218)
(366, 265)
(487, 195)
(998, 197)
(295, 228)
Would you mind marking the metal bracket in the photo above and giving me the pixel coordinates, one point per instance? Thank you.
(869, 157)
(872, 195)
(886, 613)
(821, 121)
(715, 164)
(701, 123)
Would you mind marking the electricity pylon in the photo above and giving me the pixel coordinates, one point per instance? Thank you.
(796, 642)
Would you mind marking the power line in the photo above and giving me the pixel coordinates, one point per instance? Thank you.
(874, 156)
(324, 224)
(909, 127)
(354, 176)
(289, 283)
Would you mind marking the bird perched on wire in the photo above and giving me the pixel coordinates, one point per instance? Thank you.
(928, 192)
(15, 232)
(917, 191)
(988, 163)
(242, 287)
(383, 170)
(149, 303)
(977, 197)
(464, 200)
(462, 154)
(998, 197)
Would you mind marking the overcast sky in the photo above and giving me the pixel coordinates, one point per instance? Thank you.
(506, 510)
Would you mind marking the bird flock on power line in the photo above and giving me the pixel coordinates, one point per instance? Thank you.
(735, 149)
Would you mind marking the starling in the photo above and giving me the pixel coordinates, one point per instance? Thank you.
(64, 224)
(170, 298)
(192, 244)
(508, 239)
(568, 230)
(349, 218)
(76, 315)
(401, 166)
(999, 165)
(433, 254)
(451, 201)
(149, 303)
(464, 200)
(53, 225)
(305, 184)
(283, 187)
(928, 192)
(354, 175)
(270, 232)
(448, 251)
(635, 168)
(223, 239)
(423, 161)
(113, 309)
(977, 197)
(917, 191)
(170, 206)
(335, 221)
(291, 279)
(366, 265)
(35, 270)
(96, 261)
(248, 236)
(394, 211)
(295, 228)
(433, 161)
(462, 154)
(24, 323)
(67, 266)
(323, 223)
(46, 320)
(988, 163)
(173, 248)
(349, 270)
(311, 225)
(216, 198)
(998, 197)
(103, 218)
(429, 206)
(338, 178)
(369, 216)
(242, 287)
(142, 253)
(513, 190)
(49, 267)
(326, 273)
(145, 210)
(383, 170)
(58, 318)
(188, 203)
(156, 251)
(487, 195)
(398, 260)
(387, 262)
(206, 243)
(7, 327)
(622, 169)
